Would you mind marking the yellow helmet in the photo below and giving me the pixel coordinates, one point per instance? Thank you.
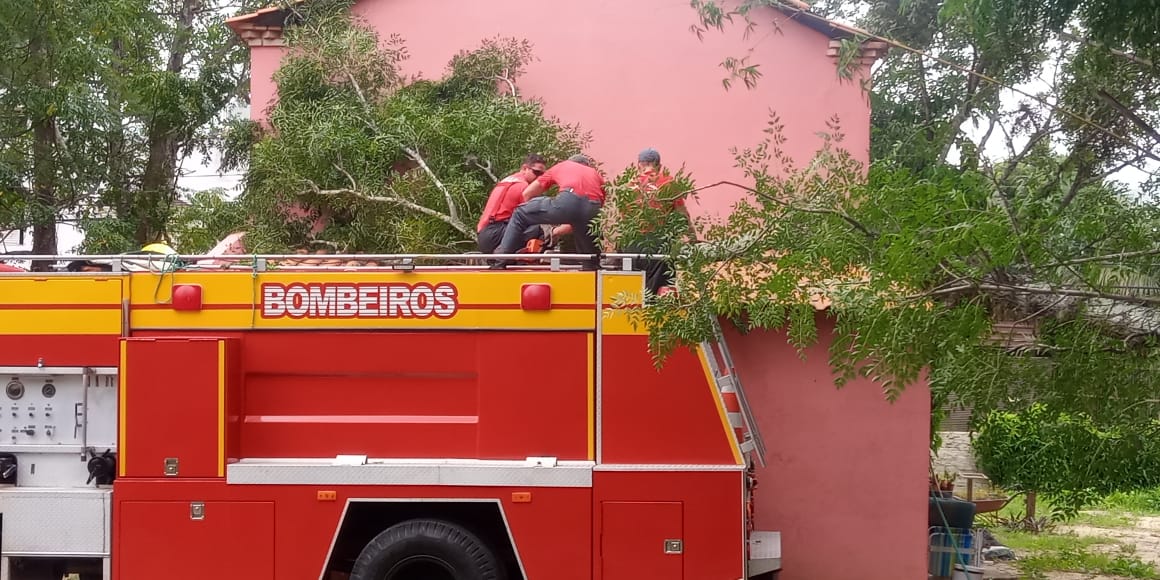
(159, 248)
(147, 259)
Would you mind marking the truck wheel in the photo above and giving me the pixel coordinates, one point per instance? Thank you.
(426, 550)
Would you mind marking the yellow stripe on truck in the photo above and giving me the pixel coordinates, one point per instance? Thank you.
(469, 300)
(67, 321)
(121, 401)
(221, 408)
(625, 289)
(58, 305)
(33, 291)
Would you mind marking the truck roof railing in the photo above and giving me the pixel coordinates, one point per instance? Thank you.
(262, 262)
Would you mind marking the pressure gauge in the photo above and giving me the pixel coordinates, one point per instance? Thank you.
(15, 389)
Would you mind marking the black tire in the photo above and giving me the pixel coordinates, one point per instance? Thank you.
(426, 549)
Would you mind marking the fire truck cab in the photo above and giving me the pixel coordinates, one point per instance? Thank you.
(423, 419)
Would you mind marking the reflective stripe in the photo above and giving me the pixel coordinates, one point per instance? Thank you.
(464, 472)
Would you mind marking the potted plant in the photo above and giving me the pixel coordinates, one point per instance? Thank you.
(946, 510)
(943, 485)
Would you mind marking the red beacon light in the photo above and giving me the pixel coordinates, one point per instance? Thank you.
(187, 297)
(536, 297)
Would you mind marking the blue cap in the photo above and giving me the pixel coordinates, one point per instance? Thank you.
(649, 155)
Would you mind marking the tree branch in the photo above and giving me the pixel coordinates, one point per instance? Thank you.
(997, 288)
(505, 78)
(1107, 258)
(486, 168)
(394, 200)
(452, 210)
(816, 210)
(357, 89)
(1128, 114)
(1063, 35)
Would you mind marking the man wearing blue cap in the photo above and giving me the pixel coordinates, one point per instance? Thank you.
(649, 183)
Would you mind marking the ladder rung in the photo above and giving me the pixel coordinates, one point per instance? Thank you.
(748, 445)
(736, 419)
(725, 384)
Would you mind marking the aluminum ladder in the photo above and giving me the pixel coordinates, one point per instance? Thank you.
(732, 395)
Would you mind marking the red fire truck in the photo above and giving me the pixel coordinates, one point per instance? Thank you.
(422, 418)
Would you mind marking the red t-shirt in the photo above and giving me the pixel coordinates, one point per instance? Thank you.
(505, 197)
(648, 183)
(581, 179)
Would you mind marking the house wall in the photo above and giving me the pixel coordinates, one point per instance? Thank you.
(846, 471)
(634, 75)
(264, 62)
(847, 482)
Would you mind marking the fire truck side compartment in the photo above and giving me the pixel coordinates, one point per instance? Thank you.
(235, 537)
(173, 407)
(416, 394)
(665, 416)
(703, 503)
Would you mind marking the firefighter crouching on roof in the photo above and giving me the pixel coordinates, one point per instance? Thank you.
(505, 197)
(579, 201)
(649, 182)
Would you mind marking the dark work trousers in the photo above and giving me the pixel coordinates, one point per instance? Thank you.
(492, 234)
(565, 208)
(657, 272)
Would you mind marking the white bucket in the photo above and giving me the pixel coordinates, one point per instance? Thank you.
(967, 573)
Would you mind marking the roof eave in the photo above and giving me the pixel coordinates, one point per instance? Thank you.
(798, 11)
(271, 16)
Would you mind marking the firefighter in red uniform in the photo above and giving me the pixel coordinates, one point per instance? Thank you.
(579, 200)
(505, 197)
(648, 184)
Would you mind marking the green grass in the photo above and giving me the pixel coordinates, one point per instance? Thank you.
(1112, 519)
(1052, 551)
(1028, 542)
(1119, 510)
(1138, 502)
(1042, 553)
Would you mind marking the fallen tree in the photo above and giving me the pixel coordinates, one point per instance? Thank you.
(359, 155)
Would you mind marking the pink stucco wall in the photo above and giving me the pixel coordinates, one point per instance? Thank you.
(636, 76)
(846, 484)
(845, 478)
(264, 61)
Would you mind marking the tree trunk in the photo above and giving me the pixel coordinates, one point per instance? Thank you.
(158, 184)
(119, 163)
(43, 167)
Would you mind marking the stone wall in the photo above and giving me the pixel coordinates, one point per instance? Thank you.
(956, 456)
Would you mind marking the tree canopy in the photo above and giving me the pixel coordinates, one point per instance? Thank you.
(384, 163)
(990, 204)
(102, 103)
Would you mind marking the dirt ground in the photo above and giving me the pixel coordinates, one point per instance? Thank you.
(1144, 535)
